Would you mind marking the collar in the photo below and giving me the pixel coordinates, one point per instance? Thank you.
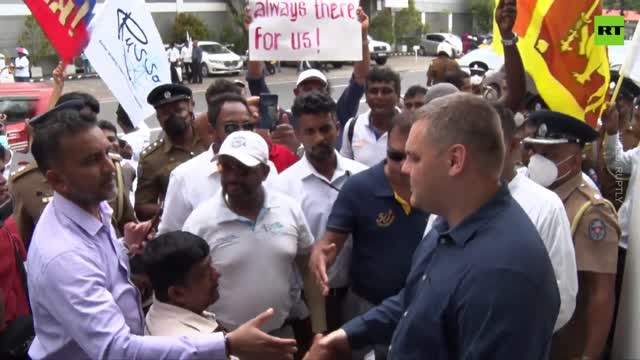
(380, 184)
(368, 115)
(224, 214)
(81, 217)
(308, 170)
(204, 323)
(213, 160)
(564, 190)
(168, 145)
(465, 231)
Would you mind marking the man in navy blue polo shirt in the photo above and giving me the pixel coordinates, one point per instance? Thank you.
(373, 206)
(481, 284)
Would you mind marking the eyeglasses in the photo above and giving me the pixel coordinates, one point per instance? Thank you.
(238, 169)
(397, 156)
(233, 127)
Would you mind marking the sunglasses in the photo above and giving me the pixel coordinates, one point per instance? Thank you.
(397, 156)
(238, 169)
(233, 127)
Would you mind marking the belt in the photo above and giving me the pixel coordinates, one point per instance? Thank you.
(342, 291)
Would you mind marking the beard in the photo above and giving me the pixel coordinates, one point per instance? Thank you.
(175, 126)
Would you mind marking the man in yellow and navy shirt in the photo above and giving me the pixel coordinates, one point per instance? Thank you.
(373, 206)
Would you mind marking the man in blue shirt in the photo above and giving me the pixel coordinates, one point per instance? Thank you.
(84, 305)
(481, 284)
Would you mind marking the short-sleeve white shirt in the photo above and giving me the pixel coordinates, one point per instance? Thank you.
(365, 147)
(192, 183)
(316, 195)
(256, 261)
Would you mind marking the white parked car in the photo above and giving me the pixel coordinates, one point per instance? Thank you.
(429, 44)
(379, 51)
(217, 59)
(486, 55)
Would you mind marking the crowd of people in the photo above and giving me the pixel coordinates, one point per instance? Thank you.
(436, 225)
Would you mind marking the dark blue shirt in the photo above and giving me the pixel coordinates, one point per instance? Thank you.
(384, 236)
(482, 290)
(346, 107)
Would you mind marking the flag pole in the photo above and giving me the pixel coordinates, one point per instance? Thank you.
(628, 62)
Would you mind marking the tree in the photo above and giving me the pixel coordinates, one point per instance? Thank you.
(621, 4)
(408, 25)
(188, 22)
(482, 12)
(381, 27)
(33, 39)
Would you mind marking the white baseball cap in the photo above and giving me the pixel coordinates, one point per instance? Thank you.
(311, 74)
(22, 50)
(247, 147)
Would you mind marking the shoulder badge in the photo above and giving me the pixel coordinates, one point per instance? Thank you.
(597, 230)
(23, 171)
(151, 148)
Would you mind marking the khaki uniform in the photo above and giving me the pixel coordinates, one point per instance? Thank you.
(32, 193)
(595, 230)
(439, 67)
(156, 163)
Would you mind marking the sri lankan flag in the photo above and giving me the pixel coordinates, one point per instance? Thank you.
(557, 45)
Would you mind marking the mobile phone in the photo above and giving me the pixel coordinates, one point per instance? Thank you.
(268, 111)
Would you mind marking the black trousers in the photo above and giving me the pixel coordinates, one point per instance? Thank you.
(174, 73)
(196, 72)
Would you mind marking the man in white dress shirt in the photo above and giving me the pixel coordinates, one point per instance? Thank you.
(315, 181)
(546, 211)
(198, 179)
(256, 237)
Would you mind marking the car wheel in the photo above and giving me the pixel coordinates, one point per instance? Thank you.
(205, 70)
(337, 65)
(381, 61)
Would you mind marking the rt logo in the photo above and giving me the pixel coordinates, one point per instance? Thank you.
(609, 30)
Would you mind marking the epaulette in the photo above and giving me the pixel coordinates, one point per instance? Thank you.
(23, 171)
(151, 148)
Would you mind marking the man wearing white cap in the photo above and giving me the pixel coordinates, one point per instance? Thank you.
(21, 66)
(255, 235)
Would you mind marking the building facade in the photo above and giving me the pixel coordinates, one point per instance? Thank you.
(212, 12)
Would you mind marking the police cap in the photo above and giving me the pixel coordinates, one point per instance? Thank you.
(557, 128)
(43, 118)
(168, 93)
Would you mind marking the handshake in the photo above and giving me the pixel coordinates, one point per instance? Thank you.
(249, 342)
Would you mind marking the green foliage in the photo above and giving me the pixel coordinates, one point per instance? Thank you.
(409, 28)
(381, 27)
(232, 34)
(482, 12)
(33, 39)
(188, 22)
(624, 4)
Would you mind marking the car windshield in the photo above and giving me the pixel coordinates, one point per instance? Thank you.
(18, 108)
(214, 49)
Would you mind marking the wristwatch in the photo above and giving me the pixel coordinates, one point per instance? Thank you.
(510, 42)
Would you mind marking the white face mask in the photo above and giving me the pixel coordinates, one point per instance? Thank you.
(544, 171)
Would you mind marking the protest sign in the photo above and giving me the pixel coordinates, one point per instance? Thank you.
(128, 54)
(322, 30)
(65, 24)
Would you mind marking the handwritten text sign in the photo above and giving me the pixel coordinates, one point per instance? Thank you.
(326, 30)
(65, 24)
(127, 52)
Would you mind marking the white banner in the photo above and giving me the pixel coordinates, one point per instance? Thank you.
(127, 52)
(319, 30)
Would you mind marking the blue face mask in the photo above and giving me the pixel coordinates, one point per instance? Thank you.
(4, 141)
